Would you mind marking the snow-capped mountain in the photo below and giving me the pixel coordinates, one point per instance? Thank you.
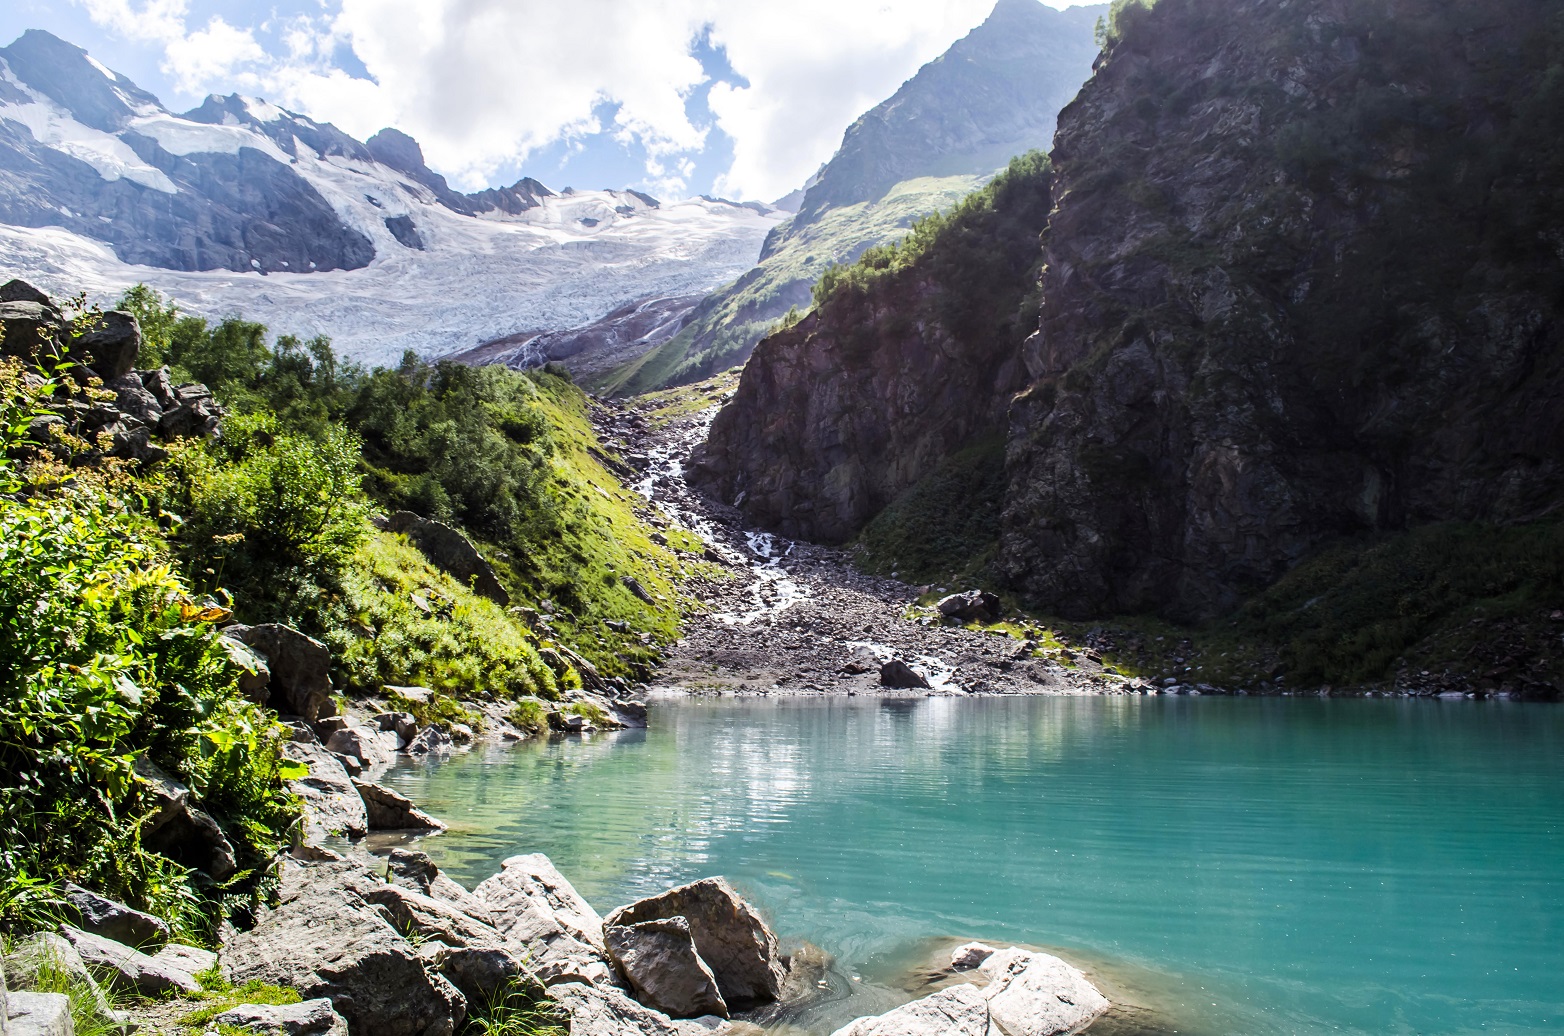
(241, 207)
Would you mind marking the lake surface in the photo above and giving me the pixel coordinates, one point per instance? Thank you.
(1249, 865)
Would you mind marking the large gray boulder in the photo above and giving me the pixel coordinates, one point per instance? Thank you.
(414, 870)
(388, 810)
(484, 974)
(450, 552)
(957, 1011)
(659, 959)
(99, 915)
(255, 676)
(325, 940)
(1035, 994)
(427, 918)
(310, 1018)
(132, 398)
(898, 675)
(364, 743)
(971, 606)
(332, 805)
(126, 969)
(729, 935)
(600, 1011)
(300, 667)
(111, 345)
(37, 1014)
(533, 905)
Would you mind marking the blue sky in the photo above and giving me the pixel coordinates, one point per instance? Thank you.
(741, 98)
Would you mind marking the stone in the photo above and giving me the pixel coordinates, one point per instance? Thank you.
(99, 915)
(971, 606)
(192, 960)
(300, 667)
(18, 290)
(534, 906)
(133, 398)
(1035, 994)
(421, 695)
(363, 743)
(49, 950)
(969, 955)
(402, 724)
(161, 385)
(38, 1014)
(414, 870)
(659, 960)
(484, 974)
(957, 1011)
(427, 918)
(450, 552)
(430, 741)
(309, 1018)
(729, 935)
(135, 444)
(332, 805)
(600, 1011)
(634, 586)
(898, 675)
(590, 971)
(388, 810)
(461, 734)
(194, 414)
(255, 675)
(194, 839)
(325, 940)
(29, 331)
(126, 969)
(111, 345)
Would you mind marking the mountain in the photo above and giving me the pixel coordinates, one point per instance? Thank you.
(993, 95)
(1302, 284)
(100, 186)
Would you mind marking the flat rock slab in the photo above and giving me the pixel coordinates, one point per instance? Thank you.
(38, 1014)
(659, 959)
(127, 969)
(733, 940)
(957, 1011)
(310, 1018)
(532, 904)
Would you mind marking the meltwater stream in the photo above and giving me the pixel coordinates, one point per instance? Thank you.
(1233, 866)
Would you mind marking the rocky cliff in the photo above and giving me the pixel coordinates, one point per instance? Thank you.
(911, 357)
(1302, 281)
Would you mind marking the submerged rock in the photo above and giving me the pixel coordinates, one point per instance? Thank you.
(1035, 994)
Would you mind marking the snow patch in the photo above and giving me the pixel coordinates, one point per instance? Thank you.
(182, 137)
(110, 156)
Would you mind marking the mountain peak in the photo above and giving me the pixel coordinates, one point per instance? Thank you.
(65, 73)
(396, 149)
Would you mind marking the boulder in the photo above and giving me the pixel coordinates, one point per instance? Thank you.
(98, 915)
(324, 940)
(484, 974)
(427, 918)
(533, 905)
(600, 1011)
(18, 290)
(47, 950)
(31, 331)
(450, 552)
(957, 1011)
(161, 385)
(332, 805)
(589, 971)
(1035, 994)
(898, 675)
(132, 397)
(300, 667)
(416, 871)
(388, 810)
(192, 960)
(255, 676)
(430, 741)
(194, 413)
(126, 969)
(402, 724)
(194, 839)
(135, 444)
(111, 345)
(972, 606)
(729, 936)
(969, 955)
(310, 1018)
(659, 960)
(362, 742)
(37, 1014)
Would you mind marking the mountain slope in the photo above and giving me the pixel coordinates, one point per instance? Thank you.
(102, 187)
(993, 95)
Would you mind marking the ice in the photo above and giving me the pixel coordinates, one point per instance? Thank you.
(183, 137)
(53, 127)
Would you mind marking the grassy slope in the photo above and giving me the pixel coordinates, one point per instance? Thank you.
(741, 314)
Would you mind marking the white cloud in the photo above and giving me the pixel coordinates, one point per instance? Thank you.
(483, 83)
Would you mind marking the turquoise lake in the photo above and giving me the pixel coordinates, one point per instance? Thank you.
(1226, 865)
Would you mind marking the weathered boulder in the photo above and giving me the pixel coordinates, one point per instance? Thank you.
(194, 839)
(324, 940)
(110, 345)
(729, 935)
(127, 969)
(602, 1011)
(300, 667)
(402, 724)
(483, 974)
(533, 905)
(362, 742)
(46, 950)
(388, 810)
(309, 1018)
(132, 398)
(31, 331)
(255, 676)
(18, 290)
(194, 413)
(332, 805)
(416, 871)
(969, 955)
(37, 1014)
(450, 552)
(99, 915)
(161, 384)
(430, 741)
(898, 675)
(957, 1011)
(971, 606)
(414, 913)
(659, 959)
(589, 971)
(1035, 994)
(192, 960)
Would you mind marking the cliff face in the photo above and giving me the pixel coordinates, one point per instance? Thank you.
(1302, 280)
(912, 357)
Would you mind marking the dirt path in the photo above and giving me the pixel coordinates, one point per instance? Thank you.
(794, 617)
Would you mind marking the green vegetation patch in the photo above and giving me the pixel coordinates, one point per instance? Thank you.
(944, 528)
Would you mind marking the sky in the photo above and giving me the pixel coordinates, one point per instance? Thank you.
(742, 99)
